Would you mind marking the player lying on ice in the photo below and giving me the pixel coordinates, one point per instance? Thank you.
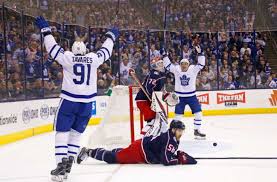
(161, 149)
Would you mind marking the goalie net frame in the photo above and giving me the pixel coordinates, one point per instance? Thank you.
(132, 115)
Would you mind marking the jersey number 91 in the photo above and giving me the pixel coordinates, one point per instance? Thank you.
(82, 72)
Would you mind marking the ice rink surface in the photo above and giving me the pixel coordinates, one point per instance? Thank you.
(31, 160)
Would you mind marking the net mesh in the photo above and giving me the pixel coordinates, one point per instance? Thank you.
(114, 129)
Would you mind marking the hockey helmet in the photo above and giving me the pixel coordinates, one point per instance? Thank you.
(157, 63)
(184, 61)
(79, 47)
(177, 124)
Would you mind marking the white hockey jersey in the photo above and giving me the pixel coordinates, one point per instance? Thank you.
(79, 72)
(185, 82)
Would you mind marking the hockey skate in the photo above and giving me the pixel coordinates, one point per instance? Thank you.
(83, 155)
(198, 135)
(68, 167)
(57, 174)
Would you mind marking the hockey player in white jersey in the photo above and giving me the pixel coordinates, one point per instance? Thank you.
(79, 89)
(185, 87)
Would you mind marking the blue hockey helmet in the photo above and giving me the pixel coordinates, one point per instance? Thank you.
(177, 124)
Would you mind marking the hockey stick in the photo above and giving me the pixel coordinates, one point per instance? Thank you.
(236, 158)
(133, 75)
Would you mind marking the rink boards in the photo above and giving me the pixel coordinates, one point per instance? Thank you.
(19, 120)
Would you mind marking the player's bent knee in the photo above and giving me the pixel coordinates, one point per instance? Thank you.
(81, 124)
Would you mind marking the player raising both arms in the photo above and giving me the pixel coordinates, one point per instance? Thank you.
(185, 87)
(161, 149)
(79, 89)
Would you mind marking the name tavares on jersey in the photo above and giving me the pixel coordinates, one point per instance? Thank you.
(184, 80)
(82, 59)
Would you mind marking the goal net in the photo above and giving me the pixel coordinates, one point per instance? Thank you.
(122, 121)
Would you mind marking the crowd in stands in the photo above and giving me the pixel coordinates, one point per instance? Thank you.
(206, 15)
(22, 70)
(97, 13)
(233, 60)
(273, 12)
(197, 15)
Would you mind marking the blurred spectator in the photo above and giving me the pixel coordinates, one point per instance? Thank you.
(245, 50)
(154, 52)
(125, 66)
(273, 11)
(232, 57)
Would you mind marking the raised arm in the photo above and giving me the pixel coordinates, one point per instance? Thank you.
(167, 63)
(200, 63)
(105, 52)
(55, 51)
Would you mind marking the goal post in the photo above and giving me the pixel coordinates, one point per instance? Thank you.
(121, 123)
(133, 90)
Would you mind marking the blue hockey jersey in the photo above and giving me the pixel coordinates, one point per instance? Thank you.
(161, 149)
(154, 81)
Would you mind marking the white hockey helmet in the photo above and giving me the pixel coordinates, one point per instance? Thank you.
(79, 47)
(184, 61)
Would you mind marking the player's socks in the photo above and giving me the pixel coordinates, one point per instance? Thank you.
(73, 143)
(178, 117)
(57, 174)
(197, 125)
(103, 155)
(99, 154)
(61, 147)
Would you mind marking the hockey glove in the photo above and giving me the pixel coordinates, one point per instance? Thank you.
(199, 50)
(181, 157)
(170, 98)
(43, 25)
(184, 158)
(163, 52)
(113, 33)
(131, 71)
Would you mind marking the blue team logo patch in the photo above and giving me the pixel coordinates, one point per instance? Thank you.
(125, 72)
(184, 80)
(93, 110)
